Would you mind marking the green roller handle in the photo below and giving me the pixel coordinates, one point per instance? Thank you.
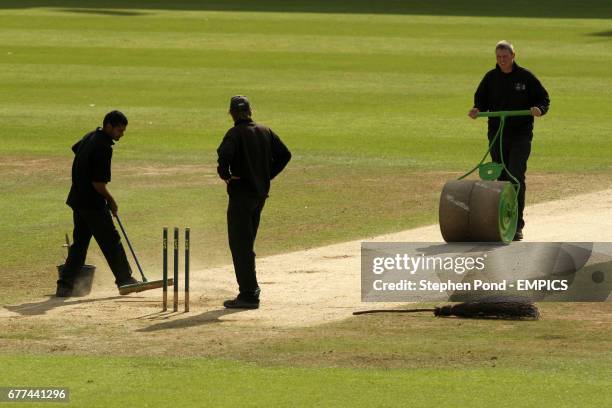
(492, 171)
(500, 114)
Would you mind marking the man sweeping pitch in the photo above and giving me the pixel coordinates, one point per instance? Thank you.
(92, 205)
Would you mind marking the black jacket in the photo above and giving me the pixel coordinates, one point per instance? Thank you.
(92, 162)
(255, 154)
(517, 90)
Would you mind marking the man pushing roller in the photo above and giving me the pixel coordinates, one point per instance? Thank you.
(511, 87)
(250, 155)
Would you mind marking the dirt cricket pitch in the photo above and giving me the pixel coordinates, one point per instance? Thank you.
(299, 289)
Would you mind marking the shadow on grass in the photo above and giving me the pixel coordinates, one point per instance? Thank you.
(102, 12)
(602, 34)
(482, 8)
(52, 302)
(212, 316)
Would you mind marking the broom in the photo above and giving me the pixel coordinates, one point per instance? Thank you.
(492, 308)
(145, 284)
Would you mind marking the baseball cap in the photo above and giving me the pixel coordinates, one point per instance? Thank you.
(239, 103)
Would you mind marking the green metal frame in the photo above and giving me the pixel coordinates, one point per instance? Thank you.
(491, 171)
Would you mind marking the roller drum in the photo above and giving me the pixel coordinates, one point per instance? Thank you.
(478, 211)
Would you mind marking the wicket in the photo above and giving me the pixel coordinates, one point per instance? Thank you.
(175, 279)
(176, 272)
(186, 269)
(165, 270)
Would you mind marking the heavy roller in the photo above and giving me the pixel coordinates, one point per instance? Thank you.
(482, 210)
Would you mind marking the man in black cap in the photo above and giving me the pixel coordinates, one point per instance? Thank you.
(511, 87)
(92, 205)
(250, 155)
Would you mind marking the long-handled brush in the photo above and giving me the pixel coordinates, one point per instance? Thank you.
(145, 284)
(492, 308)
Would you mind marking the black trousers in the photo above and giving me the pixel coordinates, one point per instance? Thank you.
(243, 213)
(516, 150)
(99, 224)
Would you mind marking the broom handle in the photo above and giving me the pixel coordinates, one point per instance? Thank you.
(131, 249)
(392, 311)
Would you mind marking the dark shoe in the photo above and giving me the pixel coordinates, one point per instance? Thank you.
(240, 304)
(63, 290)
(518, 236)
(127, 287)
(130, 281)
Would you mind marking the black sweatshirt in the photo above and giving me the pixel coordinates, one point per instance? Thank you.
(92, 163)
(517, 90)
(255, 154)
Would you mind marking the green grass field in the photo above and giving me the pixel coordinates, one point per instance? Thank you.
(384, 360)
(371, 97)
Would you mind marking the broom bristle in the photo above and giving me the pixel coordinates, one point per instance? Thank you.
(491, 309)
(509, 308)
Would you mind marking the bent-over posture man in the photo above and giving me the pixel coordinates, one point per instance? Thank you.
(511, 87)
(92, 204)
(250, 155)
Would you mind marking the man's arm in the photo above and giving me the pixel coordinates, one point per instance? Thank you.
(226, 153)
(480, 99)
(540, 100)
(280, 155)
(101, 176)
(103, 191)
